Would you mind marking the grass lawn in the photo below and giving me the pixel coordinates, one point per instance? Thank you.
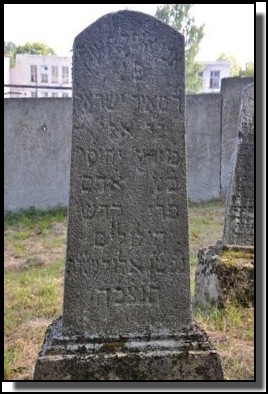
(35, 244)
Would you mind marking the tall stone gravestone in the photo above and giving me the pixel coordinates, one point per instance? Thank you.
(231, 93)
(239, 216)
(126, 312)
(225, 272)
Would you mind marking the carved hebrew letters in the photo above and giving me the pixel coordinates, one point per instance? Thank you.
(127, 232)
(239, 219)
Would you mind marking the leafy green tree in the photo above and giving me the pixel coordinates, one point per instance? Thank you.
(248, 71)
(10, 49)
(178, 17)
(234, 65)
(35, 48)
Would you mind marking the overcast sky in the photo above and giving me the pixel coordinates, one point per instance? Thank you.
(228, 27)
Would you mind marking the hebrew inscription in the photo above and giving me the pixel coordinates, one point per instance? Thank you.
(239, 216)
(127, 249)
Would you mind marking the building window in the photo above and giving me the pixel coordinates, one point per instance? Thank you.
(55, 74)
(65, 95)
(44, 73)
(44, 94)
(33, 94)
(65, 74)
(200, 75)
(33, 73)
(54, 94)
(214, 82)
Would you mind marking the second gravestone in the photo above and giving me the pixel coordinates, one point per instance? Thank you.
(225, 272)
(239, 215)
(127, 313)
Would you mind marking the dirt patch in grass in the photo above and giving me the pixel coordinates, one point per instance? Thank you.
(232, 333)
(237, 356)
(37, 249)
(27, 341)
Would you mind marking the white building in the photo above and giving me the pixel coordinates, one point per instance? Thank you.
(41, 76)
(51, 76)
(6, 75)
(212, 74)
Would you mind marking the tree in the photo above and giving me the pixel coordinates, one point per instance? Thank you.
(177, 16)
(234, 65)
(10, 49)
(248, 71)
(35, 48)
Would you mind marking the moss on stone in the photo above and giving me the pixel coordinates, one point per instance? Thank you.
(236, 258)
(225, 274)
(113, 347)
(82, 349)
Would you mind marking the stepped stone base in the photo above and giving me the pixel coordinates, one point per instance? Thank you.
(188, 355)
(225, 274)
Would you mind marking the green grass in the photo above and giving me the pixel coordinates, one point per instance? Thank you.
(33, 284)
(232, 332)
(205, 225)
(29, 218)
(205, 228)
(35, 247)
(12, 354)
(31, 294)
(231, 319)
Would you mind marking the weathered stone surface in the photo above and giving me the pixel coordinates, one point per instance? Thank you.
(239, 215)
(188, 355)
(225, 274)
(231, 90)
(126, 312)
(37, 152)
(203, 145)
(127, 264)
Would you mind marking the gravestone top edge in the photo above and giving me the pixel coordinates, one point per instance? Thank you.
(127, 13)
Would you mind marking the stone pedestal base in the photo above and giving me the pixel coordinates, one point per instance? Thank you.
(186, 356)
(225, 274)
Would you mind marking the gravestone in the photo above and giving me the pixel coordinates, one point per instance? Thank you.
(239, 216)
(231, 93)
(126, 312)
(225, 272)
